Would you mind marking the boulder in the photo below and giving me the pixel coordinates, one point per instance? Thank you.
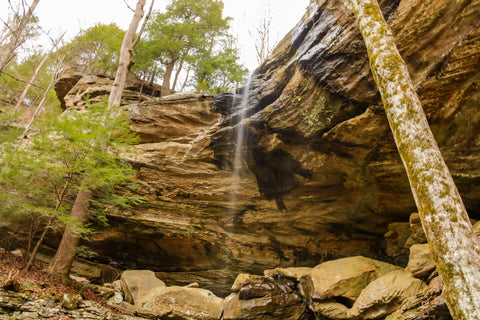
(294, 273)
(420, 263)
(244, 279)
(383, 295)
(380, 298)
(265, 298)
(183, 303)
(417, 235)
(140, 286)
(426, 305)
(342, 278)
(476, 228)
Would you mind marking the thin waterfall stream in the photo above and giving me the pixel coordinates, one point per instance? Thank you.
(242, 135)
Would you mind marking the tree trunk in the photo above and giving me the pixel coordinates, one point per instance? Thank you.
(6, 53)
(449, 232)
(166, 78)
(125, 61)
(35, 74)
(65, 254)
(180, 66)
(186, 79)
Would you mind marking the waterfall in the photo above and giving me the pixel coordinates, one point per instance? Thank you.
(242, 135)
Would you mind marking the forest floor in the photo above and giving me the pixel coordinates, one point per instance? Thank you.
(38, 281)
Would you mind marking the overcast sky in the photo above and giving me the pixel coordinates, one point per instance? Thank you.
(57, 16)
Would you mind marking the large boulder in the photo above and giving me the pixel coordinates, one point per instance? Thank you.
(140, 286)
(380, 298)
(342, 278)
(265, 297)
(183, 303)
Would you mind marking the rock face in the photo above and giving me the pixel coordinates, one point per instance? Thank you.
(320, 176)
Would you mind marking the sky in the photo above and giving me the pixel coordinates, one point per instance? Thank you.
(58, 16)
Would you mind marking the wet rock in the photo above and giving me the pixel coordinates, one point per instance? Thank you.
(294, 272)
(140, 286)
(244, 279)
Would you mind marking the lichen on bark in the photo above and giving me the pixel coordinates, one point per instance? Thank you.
(451, 237)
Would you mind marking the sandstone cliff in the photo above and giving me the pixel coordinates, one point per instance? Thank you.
(321, 177)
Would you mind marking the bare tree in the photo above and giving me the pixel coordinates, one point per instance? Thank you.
(455, 247)
(30, 83)
(261, 36)
(127, 56)
(15, 35)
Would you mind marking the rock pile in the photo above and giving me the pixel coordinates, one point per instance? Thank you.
(349, 288)
(354, 288)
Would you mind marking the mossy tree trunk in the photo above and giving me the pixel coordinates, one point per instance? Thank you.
(449, 232)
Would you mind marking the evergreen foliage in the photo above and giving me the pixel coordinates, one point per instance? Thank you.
(64, 153)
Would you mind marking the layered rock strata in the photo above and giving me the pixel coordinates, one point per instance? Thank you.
(320, 176)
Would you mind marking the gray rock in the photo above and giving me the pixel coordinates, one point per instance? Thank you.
(116, 299)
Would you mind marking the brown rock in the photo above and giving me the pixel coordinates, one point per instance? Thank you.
(265, 298)
(343, 278)
(140, 286)
(420, 263)
(183, 303)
